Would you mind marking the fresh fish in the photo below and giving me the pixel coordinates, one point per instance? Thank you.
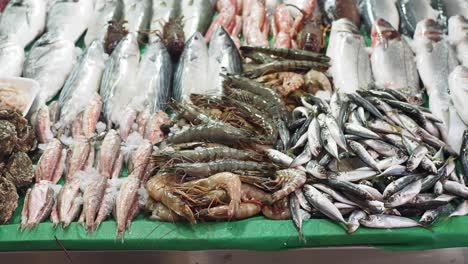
(334, 194)
(192, 69)
(356, 175)
(458, 37)
(82, 83)
(126, 204)
(458, 83)
(461, 210)
(319, 202)
(350, 65)
(416, 157)
(12, 57)
(435, 59)
(326, 139)
(455, 128)
(399, 184)
(50, 166)
(393, 62)
(298, 214)
(353, 221)
(387, 221)
(360, 131)
(50, 62)
(197, 15)
(430, 216)
(43, 125)
(69, 19)
(404, 195)
(224, 58)
(464, 154)
(336, 131)
(316, 169)
(69, 201)
(80, 152)
(155, 77)
(162, 11)
(337, 9)
(371, 10)
(22, 21)
(104, 11)
(109, 154)
(93, 194)
(313, 137)
(137, 13)
(362, 153)
(413, 11)
(117, 85)
(108, 201)
(38, 204)
(456, 189)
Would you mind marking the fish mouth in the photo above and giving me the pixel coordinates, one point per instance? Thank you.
(382, 31)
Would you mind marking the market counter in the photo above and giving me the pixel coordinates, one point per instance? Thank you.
(251, 234)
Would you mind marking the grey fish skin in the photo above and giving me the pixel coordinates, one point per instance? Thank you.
(364, 155)
(336, 131)
(334, 194)
(224, 58)
(363, 173)
(382, 147)
(353, 220)
(82, 84)
(349, 187)
(371, 10)
(50, 62)
(319, 202)
(404, 195)
(303, 158)
(456, 188)
(316, 170)
(70, 19)
(396, 170)
(387, 221)
(155, 77)
(430, 216)
(326, 139)
(302, 200)
(464, 154)
(191, 71)
(360, 131)
(416, 157)
(104, 11)
(117, 85)
(359, 100)
(22, 21)
(376, 195)
(461, 210)
(400, 183)
(298, 215)
(197, 14)
(137, 13)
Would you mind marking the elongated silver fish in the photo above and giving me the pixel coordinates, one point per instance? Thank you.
(350, 65)
(70, 19)
(387, 221)
(83, 83)
(49, 62)
(155, 77)
(162, 11)
(353, 221)
(319, 202)
(191, 72)
(197, 15)
(23, 20)
(458, 81)
(224, 58)
(393, 62)
(118, 81)
(435, 59)
(137, 13)
(11, 59)
(371, 10)
(104, 11)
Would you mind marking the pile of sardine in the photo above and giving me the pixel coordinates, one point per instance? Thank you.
(17, 140)
(373, 156)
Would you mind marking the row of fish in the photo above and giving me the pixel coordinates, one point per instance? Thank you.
(374, 156)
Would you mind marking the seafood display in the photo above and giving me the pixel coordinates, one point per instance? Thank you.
(198, 111)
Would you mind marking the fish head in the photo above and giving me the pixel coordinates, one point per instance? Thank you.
(428, 29)
(382, 32)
